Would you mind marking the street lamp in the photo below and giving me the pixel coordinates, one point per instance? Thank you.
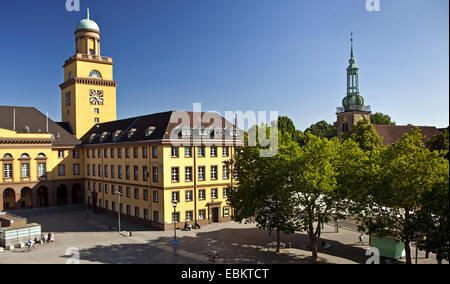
(174, 220)
(175, 243)
(119, 194)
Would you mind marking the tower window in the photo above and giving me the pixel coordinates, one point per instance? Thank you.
(96, 120)
(96, 111)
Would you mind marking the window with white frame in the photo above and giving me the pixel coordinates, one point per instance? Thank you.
(188, 173)
(213, 172)
(155, 196)
(225, 192)
(214, 193)
(201, 194)
(61, 170)
(226, 212)
(175, 175)
(7, 170)
(189, 215)
(175, 152)
(201, 151)
(155, 174)
(202, 214)
(201, 173)
(25, 170)
(41, 170)
(176, 197)
(226, 151)
(213, 151)
(188, 151)
(226, 172)
(189, 195)
(145, 194)
(76, 169)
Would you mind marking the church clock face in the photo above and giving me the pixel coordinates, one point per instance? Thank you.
(95, 74)
(96, 97)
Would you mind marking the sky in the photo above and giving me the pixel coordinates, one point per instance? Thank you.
(288, 56)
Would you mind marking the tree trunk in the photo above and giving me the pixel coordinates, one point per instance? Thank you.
(278, 240)
(408, 252)
(313, 245)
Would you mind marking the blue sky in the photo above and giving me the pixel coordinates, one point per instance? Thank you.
(262, 55)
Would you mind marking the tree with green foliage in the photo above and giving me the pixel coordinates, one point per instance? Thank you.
(440, 143)
(403, 175)
(433, 218)
(381, 119)
(323, 129)
(314, 188)
(365, 135)
(285, 125)
(262, 195)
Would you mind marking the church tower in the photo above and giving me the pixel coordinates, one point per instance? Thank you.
(88, 94)
(353, 109)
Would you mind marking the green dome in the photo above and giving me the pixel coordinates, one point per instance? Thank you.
(353, 100)
(87, 24)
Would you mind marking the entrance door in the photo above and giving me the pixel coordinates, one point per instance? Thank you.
(215, 215)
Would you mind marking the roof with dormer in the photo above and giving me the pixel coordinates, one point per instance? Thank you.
(31, 121)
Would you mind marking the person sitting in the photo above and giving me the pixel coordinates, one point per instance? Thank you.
(196, 225)
(42, 239)
(187, 227)
(29, 244)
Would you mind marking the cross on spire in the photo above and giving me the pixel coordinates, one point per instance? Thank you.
(351, 39)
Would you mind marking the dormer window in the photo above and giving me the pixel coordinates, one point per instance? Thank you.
(117, 134)
(218, 132)
(186, 132)
(149, 131)
(131, 132)
(204, 132)
(104, 136)
(93, 137)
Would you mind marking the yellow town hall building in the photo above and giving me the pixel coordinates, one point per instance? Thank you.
(153, 162)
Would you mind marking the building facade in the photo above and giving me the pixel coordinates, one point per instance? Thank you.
(41, 162)
(153, 169)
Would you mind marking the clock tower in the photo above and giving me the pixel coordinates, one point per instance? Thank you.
(88, 94)
(353, 109)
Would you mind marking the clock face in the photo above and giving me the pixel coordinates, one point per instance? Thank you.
(95, 74)
(96, 97)
(68, 99)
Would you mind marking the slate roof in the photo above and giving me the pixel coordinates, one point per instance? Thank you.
(30, 120)
(391, 133)
(161, 125)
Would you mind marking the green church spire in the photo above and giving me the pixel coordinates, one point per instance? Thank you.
(352, 73)
(353, 101)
